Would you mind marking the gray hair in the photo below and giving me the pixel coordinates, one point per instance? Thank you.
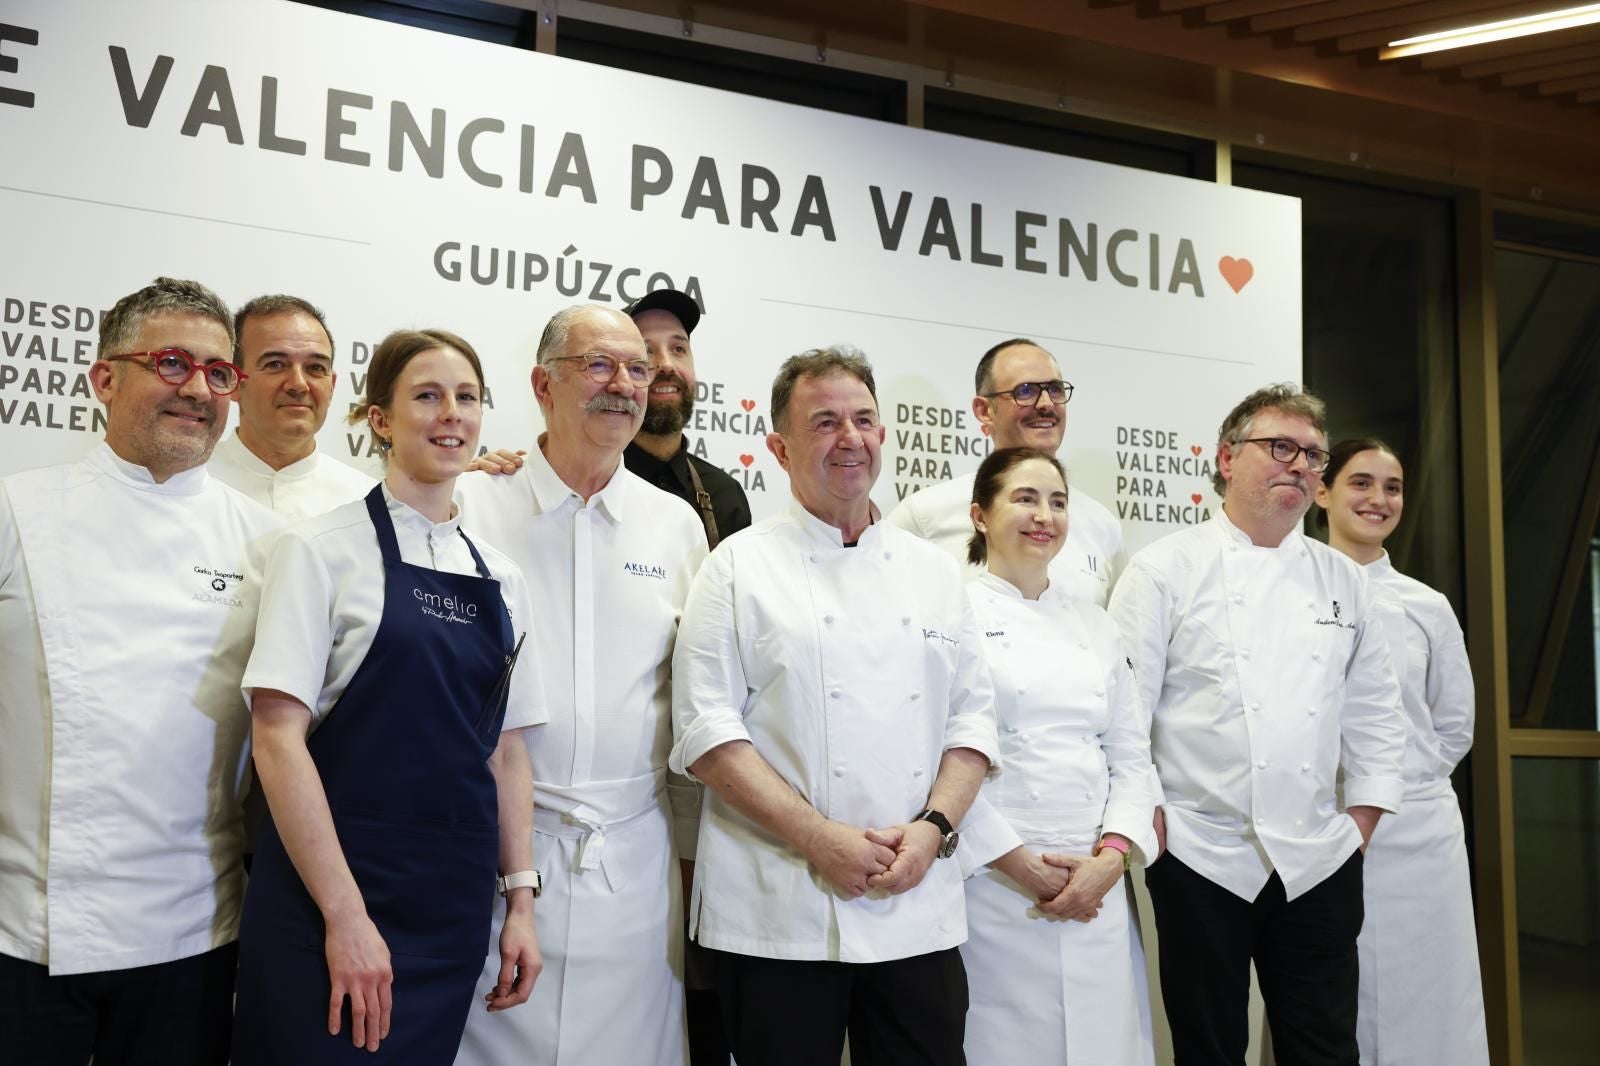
(276, 303)
(119, 330)
(818, 363)
(1286, 397)
(553, 342)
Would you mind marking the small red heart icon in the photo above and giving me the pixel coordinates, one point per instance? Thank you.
(748, 459)
(1196, 449)
(1195, 497)
(1236, 272)
(748, 405)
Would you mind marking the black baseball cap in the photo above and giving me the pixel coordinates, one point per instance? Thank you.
(671, 300)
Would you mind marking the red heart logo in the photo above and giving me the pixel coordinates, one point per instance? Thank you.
(747, 459)
(1196, 449)
(748, 405)
(1236, 272)
(1195, 497)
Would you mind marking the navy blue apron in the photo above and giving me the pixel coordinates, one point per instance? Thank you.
(403, 756)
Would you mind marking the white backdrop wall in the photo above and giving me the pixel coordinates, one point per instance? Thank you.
(398, 177)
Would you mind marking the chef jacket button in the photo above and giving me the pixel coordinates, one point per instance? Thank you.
(834, 694)
(1298, 822)
(827, 619)
(813, 558)
(1261, 764)
(917, 772)
(1099, 692)
(1237, 599)
(1011, 729)
(1083, 645)
(915, 696)
(1261, 821)
(1005, 644)
(1311, 604)
(888, 555)
(1305, 768)
(838, 771)
(905, 619)
(1316, 656)
(1088, 795)
(1022, 691)
(1034, 794)
(1244, 653)
(1255, 706)
(1311, 711)
(1087, 737)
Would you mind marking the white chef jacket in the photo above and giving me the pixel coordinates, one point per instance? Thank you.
(1086, 566)
(1072, 737)
(1256, 665)
(851, 670)
(126, 613)
(322, 602)
(1430, 655)
(311, 486)
(610, 577)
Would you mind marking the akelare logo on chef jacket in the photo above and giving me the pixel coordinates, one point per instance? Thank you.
(645, 570)
(446, 608)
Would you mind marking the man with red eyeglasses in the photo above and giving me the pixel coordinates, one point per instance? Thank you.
(127, 609)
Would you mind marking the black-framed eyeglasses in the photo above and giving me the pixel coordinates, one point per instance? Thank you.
(176, 366)
(1285, 451)
(1027, 393)
(602, 368)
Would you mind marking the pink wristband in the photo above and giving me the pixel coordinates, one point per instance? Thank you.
(1114, 844)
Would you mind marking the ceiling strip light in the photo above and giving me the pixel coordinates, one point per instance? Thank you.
(1566, 18)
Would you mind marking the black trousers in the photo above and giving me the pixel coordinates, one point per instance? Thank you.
(176, 1013)
(784, 1012)
(1305, 956)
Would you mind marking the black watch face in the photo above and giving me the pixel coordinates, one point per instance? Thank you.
(947, 847)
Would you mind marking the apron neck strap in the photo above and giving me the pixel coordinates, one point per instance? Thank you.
(383, 525)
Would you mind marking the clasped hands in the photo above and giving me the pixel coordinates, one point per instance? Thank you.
(1067, 886)
(857, 861)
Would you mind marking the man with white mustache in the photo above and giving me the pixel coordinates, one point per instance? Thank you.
(1258, 667)
(608, 559)
(1022, 402)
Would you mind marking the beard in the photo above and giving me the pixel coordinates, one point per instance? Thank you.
(665, 419)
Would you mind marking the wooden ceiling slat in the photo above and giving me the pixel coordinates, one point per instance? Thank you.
(1588, 96)
(1323, 11)
(1560, 70)
(1567, 85)
(1172, 6)
(1229, 10)
(1502, 49)
(1416, 19)
(1530, 60)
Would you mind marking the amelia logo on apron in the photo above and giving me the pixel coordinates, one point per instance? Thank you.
(403, 756)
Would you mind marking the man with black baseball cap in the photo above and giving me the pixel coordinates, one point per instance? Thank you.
(660, 455)
(659, 452)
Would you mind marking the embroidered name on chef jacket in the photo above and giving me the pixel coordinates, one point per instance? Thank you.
(1334, 621)
(446, 608)
(216, 587)
(645, 570)
(934, 634)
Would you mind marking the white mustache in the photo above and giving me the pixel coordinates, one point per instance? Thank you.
(608, 402)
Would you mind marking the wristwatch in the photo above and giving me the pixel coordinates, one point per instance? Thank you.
(523, 879)
(949, 838)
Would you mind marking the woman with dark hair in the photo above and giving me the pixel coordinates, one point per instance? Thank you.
(1420, 996)
(386, 702)
(1055, 970)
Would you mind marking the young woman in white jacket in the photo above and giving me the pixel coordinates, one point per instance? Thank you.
(1421, 999)
(1054, 966)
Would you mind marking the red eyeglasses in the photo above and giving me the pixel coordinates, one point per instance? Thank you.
(176, 366)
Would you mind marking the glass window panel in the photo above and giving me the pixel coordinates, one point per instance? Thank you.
(1557, 817)
(1549, 319)
(1378, 320)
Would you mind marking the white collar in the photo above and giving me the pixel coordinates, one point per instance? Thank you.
(822, 534)
(403, 514)
(1239, 536)
(550, 492)
(235, 450)
(184, 483)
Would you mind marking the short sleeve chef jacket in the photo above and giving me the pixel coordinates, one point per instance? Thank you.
(1086, 567)
(1258, 664)
(312, 486)
(851, 670)
(611, 576)
(323, 600)
(1430, 656)
(126, 614)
